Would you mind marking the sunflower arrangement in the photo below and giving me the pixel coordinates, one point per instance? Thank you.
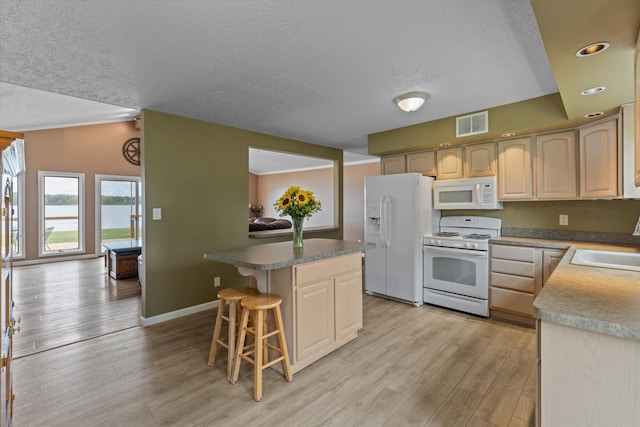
(297, 202)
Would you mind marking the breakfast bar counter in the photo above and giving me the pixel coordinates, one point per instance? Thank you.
(271, 256)
(320, 286)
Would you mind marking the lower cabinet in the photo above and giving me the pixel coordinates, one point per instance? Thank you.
(586, 378)
(315, 313)
(517, 274)
(322, 306)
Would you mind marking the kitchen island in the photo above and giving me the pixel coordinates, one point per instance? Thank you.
(320, 286)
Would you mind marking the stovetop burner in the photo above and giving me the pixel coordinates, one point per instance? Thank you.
(447, 234)
(477, 236)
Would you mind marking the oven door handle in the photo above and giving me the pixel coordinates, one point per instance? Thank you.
(453, 251)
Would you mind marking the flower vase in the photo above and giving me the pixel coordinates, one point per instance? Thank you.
(297, 231)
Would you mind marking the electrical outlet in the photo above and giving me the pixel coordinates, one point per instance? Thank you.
(216, 282)
(564, 219)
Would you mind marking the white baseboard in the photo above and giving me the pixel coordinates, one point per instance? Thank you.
(148, 321)
(17, 263)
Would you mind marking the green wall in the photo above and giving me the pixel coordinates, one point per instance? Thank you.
(197, 173)
(545, 113)
(612, 216)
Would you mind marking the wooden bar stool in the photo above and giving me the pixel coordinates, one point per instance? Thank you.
(233, 296)
(258, 306)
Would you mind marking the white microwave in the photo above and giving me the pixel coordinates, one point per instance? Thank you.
(466, 193)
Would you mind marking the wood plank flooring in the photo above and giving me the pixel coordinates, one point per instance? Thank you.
(65, 302)
(410, 366)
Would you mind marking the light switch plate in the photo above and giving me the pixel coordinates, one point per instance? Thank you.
(157, 214)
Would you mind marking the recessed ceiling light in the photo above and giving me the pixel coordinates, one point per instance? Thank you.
(592, 90)
(592, 49)
(445, 144)
(597, 114)
(506, 135)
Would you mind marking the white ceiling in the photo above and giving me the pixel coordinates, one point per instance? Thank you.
(323, 72)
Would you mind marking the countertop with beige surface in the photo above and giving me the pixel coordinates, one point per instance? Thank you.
(603, 300)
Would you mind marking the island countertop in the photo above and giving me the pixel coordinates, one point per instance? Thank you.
(271, 256)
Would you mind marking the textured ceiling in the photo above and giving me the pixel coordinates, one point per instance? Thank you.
(323, 72)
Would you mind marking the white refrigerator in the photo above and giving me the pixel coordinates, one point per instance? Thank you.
(398, 213)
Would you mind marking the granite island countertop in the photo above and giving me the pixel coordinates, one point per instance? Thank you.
(604, 300)
(272, 256)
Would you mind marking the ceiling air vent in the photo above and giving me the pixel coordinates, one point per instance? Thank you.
(472, 124)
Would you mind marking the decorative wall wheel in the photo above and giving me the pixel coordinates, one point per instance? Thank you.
(131, 151)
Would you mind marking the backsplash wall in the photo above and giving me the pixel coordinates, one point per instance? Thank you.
(613, 216)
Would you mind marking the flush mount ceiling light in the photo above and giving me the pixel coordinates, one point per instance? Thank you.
(591, 115)
(411, 101)
(592, 90)
(592, 49)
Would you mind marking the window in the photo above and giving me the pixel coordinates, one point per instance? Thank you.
(61, 213)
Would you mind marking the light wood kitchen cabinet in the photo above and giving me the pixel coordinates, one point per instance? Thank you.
(328, 306)
(390, 165)
(517, 274)
(450, 163)
(599, 160)
(550, 260)
(555, 166)
(514, 169)
(636, 167)
(480, 160)
(314, 310)
(348, 312)
(586, 378)
(423, 162)
(636, 118)
(513, 282)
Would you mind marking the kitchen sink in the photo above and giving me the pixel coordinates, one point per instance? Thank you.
(607, 259)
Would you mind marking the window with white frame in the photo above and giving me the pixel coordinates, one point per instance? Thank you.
(61, 213)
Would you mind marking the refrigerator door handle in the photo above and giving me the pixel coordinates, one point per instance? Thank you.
(385, 220)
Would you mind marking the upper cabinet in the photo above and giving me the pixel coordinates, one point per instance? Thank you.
(630, 167)
(480, 159)
(393, 164)
(591, 162)
(423, 162)
(450, 163)
(636, 116)
(555, 165)
(514, 169)
(599, 160)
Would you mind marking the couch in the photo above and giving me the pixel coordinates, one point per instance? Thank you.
(260, 224)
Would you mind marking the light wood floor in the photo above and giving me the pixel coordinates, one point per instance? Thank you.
(64, 302)
(410, 366)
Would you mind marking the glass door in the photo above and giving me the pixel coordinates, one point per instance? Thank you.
(119, 209)
(61, 211)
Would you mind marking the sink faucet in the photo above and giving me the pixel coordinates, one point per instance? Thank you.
(636, 232)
